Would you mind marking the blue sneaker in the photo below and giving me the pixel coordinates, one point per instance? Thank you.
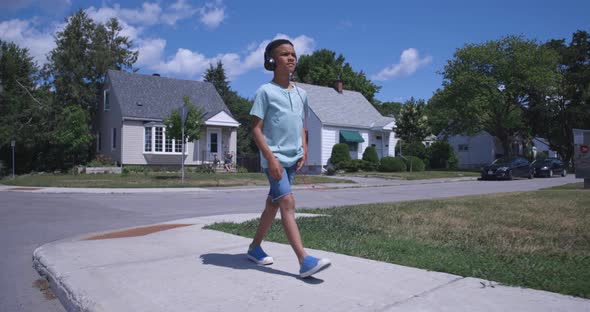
(312, 265)
(258, 255)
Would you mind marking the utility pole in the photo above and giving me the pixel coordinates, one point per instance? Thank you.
(183, 114)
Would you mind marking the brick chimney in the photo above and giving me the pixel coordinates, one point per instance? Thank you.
(338, 85)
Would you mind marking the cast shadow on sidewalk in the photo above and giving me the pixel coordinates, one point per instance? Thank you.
(240, 262)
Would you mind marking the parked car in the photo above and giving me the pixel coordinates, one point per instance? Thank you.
(507, 168)
(548, 167)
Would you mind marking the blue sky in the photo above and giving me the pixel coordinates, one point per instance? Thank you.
(400, 45)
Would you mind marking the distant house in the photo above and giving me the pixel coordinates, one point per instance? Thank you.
(483, 148)
(341, 116)
(129, 120)
(542, 145)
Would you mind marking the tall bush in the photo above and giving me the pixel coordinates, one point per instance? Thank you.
(414, 163)
(340, 153)
(442, 156)
(371, 158)
(392, 164)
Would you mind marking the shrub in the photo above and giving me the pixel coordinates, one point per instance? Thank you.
(340, 153)
(415, 149)
(352, 165)
(442, 156)
(414, 163)
(369, 166)
(392, 164)
(242, 169)
(370, 155)
(101, 161)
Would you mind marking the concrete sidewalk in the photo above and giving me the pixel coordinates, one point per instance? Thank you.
(191, 269)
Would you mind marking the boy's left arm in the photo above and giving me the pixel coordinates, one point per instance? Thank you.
(301, 162)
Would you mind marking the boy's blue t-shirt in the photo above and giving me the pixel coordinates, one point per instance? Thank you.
(282, 113)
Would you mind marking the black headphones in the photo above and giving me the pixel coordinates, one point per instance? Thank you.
(269, 62)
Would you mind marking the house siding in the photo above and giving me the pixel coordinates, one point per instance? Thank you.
(329, 139)
(107, 120)
(481, 149)
(314, 145)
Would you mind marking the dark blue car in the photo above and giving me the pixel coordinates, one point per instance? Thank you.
(507, 168)
(548, 167)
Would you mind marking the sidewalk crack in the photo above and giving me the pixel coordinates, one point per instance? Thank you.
(422, 294)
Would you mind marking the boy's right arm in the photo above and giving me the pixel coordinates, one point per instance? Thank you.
(274, 166)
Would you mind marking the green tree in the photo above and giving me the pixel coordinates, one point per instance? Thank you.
(390, 109)
(77, 65)
(322, 68)
(73, 133)
(192, 125)
(412, 125)
(490, 86)
(568, 107)
(26, 111)
(216, 76)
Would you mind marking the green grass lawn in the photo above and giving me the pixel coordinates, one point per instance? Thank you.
(416, 175)
(534, 239)
(153, 180)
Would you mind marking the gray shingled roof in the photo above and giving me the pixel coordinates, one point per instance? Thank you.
(349, 108)
(158, 96)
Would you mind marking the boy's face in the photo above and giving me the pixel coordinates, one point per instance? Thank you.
(285, 58)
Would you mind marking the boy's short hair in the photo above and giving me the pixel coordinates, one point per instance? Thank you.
(269, 61)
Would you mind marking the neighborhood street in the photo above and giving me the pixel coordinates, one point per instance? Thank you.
(29, 219)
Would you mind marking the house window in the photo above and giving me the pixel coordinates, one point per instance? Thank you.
(463, 147)
(353, 146)
(160, 143)
(114, 146)
(178, 146)
(147, 145)
(168, 143)
(107, 105)
(159, 139)
(378, 137)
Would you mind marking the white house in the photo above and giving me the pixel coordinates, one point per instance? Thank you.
(483, 148)
(341, 116)
(129, 118)
(541, 145)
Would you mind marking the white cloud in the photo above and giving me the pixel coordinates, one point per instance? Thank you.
(212, 15)
(25, 34)
(184, 63)
(150, 51)
(410, 61)
(191, 64)
(178, 11)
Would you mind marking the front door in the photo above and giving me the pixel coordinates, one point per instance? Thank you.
(213, 143)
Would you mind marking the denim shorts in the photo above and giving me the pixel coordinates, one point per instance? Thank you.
(282, 187)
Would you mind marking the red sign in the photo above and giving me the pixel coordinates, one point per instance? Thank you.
(584, 148)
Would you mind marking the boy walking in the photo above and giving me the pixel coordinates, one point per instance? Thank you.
(277, 129)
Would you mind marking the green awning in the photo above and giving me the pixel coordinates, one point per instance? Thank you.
(350, 136)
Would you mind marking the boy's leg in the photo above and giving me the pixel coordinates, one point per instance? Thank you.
(287, 205)
(266, 220)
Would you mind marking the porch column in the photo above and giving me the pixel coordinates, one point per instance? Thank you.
(233, 142)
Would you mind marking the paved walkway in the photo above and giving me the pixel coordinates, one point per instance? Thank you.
(189, 268)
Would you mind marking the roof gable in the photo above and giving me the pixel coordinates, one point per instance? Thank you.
(349, 108)
(154, 97)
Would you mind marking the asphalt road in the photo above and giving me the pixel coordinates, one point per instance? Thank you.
(29, 220)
